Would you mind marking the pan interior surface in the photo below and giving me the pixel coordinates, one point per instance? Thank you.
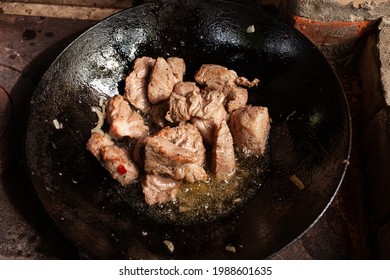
(309, 137)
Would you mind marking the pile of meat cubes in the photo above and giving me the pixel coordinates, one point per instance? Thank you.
(208, 114)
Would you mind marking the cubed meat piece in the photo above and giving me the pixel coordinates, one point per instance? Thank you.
(177, 152)
(161, 81)
(136, 83)
(116, 160)
(213, 114)
(249, 126)
(184, 103)
(219, 78)
(205, 110)
(223, 159)
(124, 121)
(184, 135)
(159, 189)
(214, 75)
(178, 67)
(97, 141)
(213, 107)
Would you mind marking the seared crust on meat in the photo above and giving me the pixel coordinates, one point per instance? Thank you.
(177, 152)
(214, 75)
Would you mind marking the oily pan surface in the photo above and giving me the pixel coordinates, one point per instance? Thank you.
(309, 137)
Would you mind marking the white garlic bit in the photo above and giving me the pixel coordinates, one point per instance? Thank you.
(230, 248)
(169, 245)
(250, 29)
(57, 124)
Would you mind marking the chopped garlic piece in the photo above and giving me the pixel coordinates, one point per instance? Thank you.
(57, 124)
(230, 248)
(250, 29)
(169, 245)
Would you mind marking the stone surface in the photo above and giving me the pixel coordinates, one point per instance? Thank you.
(341, 10)
(28, 45)
(384, 57)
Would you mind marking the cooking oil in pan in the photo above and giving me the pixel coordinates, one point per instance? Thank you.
(207, 201)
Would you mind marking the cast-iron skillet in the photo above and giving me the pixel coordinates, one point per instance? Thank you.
(310, 135)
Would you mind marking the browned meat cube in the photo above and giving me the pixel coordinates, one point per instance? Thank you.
(116, 160)
(177, 152)
(224, 162)
(97, 141)
(184, 103)
(206, 111)
(178, 67)
(213, 108)
(178, 108)
(186, 136)
(214, 75)
(249, 126)
(213, 114)
(219, 78)
(161, 81)
(159, 189)
(136, 83)
(124, 121)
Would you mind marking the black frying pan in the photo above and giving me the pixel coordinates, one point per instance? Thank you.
(310, 135)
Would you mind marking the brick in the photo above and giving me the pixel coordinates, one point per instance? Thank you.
(331, 33)
(376, 137)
